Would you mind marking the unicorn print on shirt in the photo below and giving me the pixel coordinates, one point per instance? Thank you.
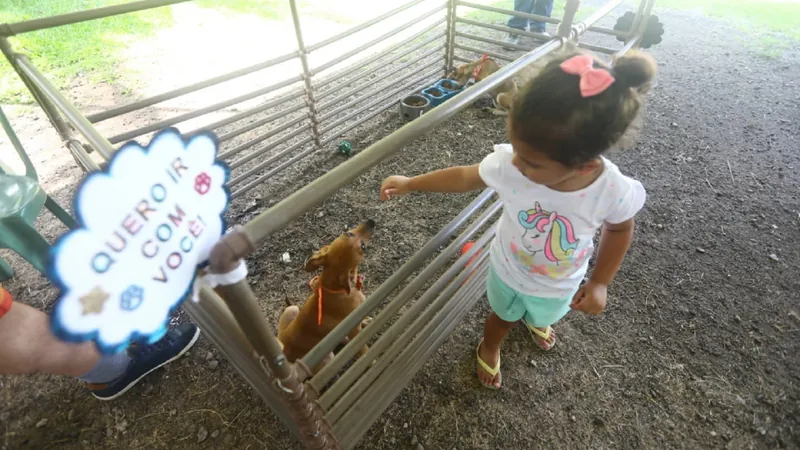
(548, 233)
(551, 247)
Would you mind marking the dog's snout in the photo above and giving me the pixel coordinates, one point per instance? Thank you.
(365, 229)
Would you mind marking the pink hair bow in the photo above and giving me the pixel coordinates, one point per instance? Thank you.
(593, 81)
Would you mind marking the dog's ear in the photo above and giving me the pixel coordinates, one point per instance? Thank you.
(317, 260)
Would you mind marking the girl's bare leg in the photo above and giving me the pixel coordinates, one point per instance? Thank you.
(495, 330)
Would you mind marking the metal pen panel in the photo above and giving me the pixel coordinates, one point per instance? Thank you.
(379, 39)
(509, 12)
(272, 132)
(505, 29)
(201, 111)
(581, 27)
(390, 311)
(214, 318)
(478, 51)
(382, 98)
(239, 162)
(421, 80)
(280, 167)
(262, 165)
(362, 26)
(380, 294)
(248, 112)
(11, 29)
(73, 116)
(308, 82)
(260, 122)
(114, 112)
(437, 323)
(486, 40)
(307, 152)
(357, 89)
(450, 35)
(598, 48)
(388, 387)
(318, 190)
(383, 54)
(609, 31)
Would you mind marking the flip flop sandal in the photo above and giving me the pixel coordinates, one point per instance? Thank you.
(492, 371)
(544, 335)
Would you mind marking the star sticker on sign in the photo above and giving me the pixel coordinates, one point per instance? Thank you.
(94, 300)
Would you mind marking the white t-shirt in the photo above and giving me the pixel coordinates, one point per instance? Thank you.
(544, 237)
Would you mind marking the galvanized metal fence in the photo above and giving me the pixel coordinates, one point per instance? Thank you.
(321, 410)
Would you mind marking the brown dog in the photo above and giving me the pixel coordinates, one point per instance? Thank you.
(502, 96)
(336, 293)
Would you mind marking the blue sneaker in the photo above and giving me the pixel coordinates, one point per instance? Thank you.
(147, 358)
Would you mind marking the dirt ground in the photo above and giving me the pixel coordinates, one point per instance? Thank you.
(698, 348)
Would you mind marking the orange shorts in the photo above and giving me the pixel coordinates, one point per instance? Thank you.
(5, 302)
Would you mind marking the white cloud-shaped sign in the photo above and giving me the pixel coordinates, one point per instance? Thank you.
(147, 223)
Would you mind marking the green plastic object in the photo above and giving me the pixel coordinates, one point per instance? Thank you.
(21, 201)
(345, 148)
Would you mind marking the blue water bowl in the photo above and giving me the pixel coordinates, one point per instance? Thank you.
(435, 95)
(449, 86)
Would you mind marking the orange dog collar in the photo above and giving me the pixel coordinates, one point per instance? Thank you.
(320, 289)
(319, 296)
(477, 70)
(5, 302)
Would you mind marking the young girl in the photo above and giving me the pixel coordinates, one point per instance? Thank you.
(557, 191)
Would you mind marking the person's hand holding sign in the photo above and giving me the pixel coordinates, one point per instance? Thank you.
(147, 224)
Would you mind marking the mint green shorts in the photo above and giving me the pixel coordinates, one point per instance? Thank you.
(512, 306)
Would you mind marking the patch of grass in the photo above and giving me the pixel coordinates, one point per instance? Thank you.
(493, 17)
(279, 9)
(347, 11)
(781, 16)
(268, 9)
(771, 26)
(330, 13)
(767, 45)
(64, 52)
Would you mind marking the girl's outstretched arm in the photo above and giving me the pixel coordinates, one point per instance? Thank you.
(453, 179)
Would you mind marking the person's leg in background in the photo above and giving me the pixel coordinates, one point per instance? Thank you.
(541, 8)
(28, 346)
(525, 6)
(518, 23)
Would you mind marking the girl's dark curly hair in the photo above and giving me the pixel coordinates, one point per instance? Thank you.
(551, 116)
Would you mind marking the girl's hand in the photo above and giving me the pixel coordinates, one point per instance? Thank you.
(590, 298)
(394, 186)
(454, 180)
